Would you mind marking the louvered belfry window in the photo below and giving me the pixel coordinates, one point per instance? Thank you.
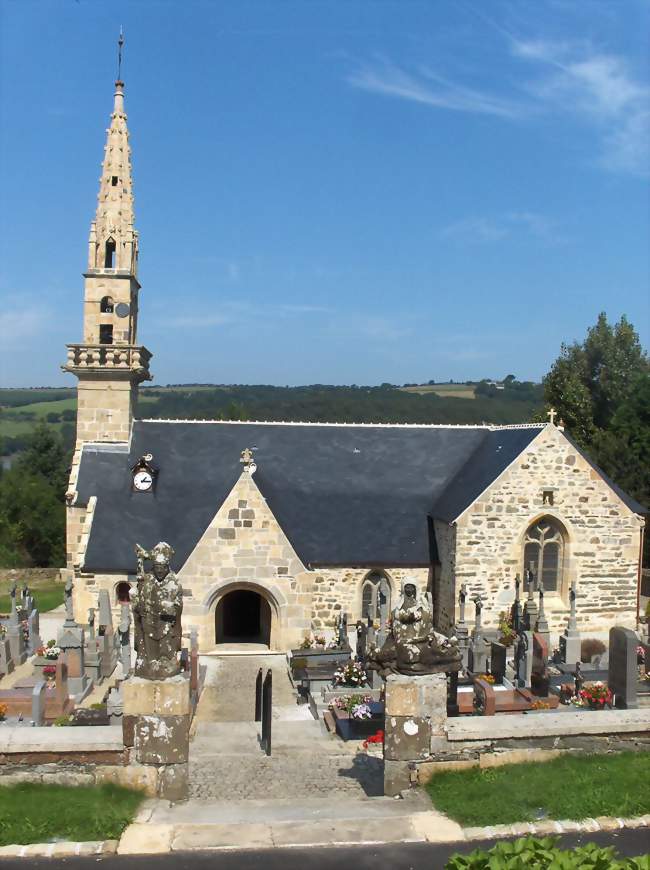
(544, 549)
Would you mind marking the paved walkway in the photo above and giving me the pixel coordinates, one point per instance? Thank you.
(227, 763)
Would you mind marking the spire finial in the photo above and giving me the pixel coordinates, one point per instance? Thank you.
(120, 44)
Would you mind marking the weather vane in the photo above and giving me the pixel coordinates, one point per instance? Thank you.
(120, 43)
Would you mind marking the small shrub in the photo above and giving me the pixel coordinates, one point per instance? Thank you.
(591, 647)
(61, 721)
(544, 853)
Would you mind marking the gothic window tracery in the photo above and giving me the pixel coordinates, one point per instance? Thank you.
(375, 592)
(544, 550)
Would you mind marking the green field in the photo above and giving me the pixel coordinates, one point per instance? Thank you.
(449, 391)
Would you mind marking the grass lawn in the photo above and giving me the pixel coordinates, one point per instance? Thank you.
(37, 813)
(568, 787)
(48, 595)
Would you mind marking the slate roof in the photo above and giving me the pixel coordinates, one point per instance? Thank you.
(343, 494)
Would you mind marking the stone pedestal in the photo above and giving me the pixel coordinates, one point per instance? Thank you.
(156, 723)
(16, 640)
(71, 642)
(416, 713)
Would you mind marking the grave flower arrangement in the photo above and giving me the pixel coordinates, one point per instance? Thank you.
(351, 674)
(356, 706)
(597, 696)
(49, 672)
(49, 651)
(3, 711)
(24, 627)
(506, 630)
(487, 678)
(640, 655)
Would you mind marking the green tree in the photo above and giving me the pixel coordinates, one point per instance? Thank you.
(47, 458)
(590, 380)
(32, 520)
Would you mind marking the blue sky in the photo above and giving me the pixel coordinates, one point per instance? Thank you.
(333, 192)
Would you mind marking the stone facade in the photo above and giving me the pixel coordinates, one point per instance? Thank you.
(601, 539)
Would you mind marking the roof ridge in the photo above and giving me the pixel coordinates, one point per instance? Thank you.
(487, 427)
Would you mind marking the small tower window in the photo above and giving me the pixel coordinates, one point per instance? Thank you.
(114, 181)
(106, 305)
(109, 259)
(105, 333)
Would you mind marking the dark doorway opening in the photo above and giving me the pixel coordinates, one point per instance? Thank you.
(243, 616)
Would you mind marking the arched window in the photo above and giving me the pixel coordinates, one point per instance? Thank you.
(106, 305)
(544, 553)
(122, 593)
(109, 259)
(375, 595)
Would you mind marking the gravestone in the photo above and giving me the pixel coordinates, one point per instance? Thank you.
(15, 634)
(623, 672)
(515, 610)
(541, 623)
(498, 653)
(33, 627)
(124, 632)
(524, 659)
(384, 611)
(38, 703)
(6, 661)
(461, 630)
(106, 639)
(477, 658)
(570, 639)
(362, 640)
(530, 607)
(539, 680)
(71, 641)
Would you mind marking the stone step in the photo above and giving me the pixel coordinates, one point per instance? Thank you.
(290, 777)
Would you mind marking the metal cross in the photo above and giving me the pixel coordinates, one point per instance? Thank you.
(120, 43)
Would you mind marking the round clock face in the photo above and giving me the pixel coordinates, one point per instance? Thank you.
(142, 481)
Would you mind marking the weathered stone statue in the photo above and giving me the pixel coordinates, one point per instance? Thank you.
(413, 647)
(157, 607)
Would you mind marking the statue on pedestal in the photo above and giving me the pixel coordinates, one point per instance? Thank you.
(157, 606)
(412, 646)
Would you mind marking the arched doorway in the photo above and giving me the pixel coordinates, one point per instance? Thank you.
(243, 616)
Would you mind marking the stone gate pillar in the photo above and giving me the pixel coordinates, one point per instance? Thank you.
(416, 713)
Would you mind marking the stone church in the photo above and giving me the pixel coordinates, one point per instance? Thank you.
(277, 527)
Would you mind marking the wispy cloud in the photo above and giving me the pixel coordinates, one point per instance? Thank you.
(427, 87)
(561, 78)
(577, 79)
(235, 312)
(497, 228)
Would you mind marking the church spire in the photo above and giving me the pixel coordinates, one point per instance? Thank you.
(109, 363)
(113, 240)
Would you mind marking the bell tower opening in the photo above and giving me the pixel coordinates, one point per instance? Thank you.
(109, 258)
(243, 616)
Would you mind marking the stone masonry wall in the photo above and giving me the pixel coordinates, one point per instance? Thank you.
(336, 589)
(601, 545)
(244, 547)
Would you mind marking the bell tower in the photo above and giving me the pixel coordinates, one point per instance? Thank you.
(109, 363)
